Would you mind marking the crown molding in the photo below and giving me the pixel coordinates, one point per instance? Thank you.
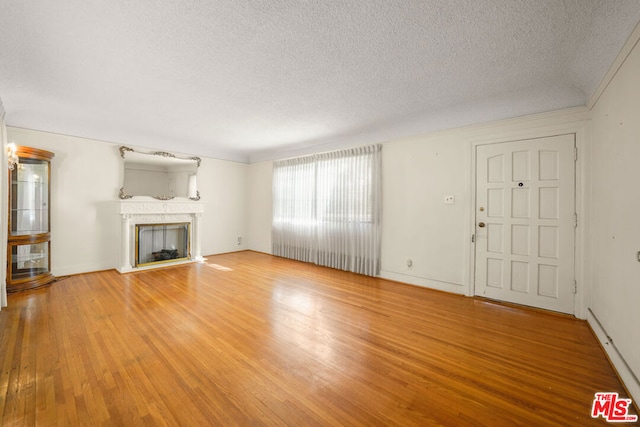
(631, 43)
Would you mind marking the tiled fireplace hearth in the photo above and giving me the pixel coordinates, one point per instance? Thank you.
(136, 213)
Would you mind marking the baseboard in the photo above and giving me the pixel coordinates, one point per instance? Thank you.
(454, 288)
(81, 269)
(628, 378)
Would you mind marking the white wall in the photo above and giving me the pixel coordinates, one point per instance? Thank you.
(615, 214)
(222, 186)
(416, 224)
(259, 206)
(86, 176)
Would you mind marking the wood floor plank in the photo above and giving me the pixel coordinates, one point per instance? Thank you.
(251, 339)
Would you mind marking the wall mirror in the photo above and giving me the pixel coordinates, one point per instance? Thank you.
(158, 174)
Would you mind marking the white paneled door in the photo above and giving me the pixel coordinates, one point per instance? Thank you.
(525, 222)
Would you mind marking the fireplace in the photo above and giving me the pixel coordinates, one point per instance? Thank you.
(152, 216)
(161, 243)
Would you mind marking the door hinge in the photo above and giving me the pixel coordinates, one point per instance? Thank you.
(575, 154)
(575, 220)
(575, 286)
(473, 238)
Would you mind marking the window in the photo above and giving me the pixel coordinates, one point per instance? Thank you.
(327, 209)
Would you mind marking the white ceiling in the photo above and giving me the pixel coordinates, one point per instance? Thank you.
(249, 80)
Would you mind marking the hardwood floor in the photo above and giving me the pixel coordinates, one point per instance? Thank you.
(250, 339)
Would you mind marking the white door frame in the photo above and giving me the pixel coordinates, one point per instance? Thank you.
(580, 130)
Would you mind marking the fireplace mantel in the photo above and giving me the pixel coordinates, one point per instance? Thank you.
(134, 212)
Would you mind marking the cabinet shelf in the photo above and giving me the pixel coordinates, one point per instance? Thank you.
(29, 239)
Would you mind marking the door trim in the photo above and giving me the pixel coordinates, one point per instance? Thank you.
(580, 130)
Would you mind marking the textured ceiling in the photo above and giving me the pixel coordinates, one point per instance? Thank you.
(252, 80)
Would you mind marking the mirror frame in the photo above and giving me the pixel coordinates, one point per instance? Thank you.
(122, 194)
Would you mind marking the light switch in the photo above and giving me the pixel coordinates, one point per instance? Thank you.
(449, 200)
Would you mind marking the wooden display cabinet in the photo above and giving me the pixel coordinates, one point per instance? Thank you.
(29, 237)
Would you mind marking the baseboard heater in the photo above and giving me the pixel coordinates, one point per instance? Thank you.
(626, 374)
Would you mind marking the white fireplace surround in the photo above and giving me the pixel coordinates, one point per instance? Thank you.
(133, 212)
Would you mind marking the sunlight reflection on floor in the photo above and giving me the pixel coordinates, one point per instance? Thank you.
(219, 267)
(301, 320)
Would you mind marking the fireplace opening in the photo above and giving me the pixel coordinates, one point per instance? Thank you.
(162, 243)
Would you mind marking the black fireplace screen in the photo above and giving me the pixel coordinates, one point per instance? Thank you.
(157, 243)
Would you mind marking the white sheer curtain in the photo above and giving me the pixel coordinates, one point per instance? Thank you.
(327, 209)
(4, 196)
(294, 216)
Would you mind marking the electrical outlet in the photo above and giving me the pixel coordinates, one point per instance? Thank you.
(449, 200)
(409, 264)
(239, 241)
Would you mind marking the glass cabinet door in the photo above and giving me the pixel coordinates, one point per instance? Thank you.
(29, 260)
(30, 198)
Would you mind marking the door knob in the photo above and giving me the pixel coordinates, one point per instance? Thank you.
(481, 224)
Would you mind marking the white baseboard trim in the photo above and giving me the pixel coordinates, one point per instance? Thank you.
(625, 373)
(424, 282)
(81, 268)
